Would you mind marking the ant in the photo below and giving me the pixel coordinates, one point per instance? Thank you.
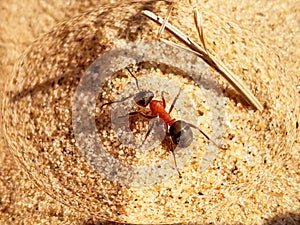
(179, 133)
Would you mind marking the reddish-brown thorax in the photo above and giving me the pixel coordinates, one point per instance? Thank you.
(158, 109)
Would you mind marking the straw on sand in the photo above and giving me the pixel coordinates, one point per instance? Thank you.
(204, 54)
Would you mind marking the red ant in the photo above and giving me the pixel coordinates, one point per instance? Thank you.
(179, 131)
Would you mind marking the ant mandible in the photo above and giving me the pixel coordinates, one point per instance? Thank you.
(179, 132)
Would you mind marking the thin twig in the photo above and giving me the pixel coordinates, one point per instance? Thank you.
(210, 60)
(162, 27)
(198, 22)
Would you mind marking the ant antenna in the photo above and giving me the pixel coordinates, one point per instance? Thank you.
(123, 99)
(192, 125)
(136, 80)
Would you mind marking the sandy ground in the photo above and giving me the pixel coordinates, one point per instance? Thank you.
(275, 22)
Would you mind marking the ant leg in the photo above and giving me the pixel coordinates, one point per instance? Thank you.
(163, 99)
(146, 116)
(208, 138)
(174, 101)
(142, 114)
(147, 134)
(159, 127)
(173, 153)
(122, 100)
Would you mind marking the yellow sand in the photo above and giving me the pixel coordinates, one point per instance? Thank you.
(257, 191)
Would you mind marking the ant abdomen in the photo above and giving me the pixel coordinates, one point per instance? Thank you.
(181, 133)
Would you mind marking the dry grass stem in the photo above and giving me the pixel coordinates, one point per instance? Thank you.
(198, 22)
(208, 58)
(162, 27)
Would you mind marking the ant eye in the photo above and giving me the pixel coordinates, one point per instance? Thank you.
(181, 133)
(143, 98)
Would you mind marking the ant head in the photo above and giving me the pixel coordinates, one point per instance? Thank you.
(143, 98)
(181, 133)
